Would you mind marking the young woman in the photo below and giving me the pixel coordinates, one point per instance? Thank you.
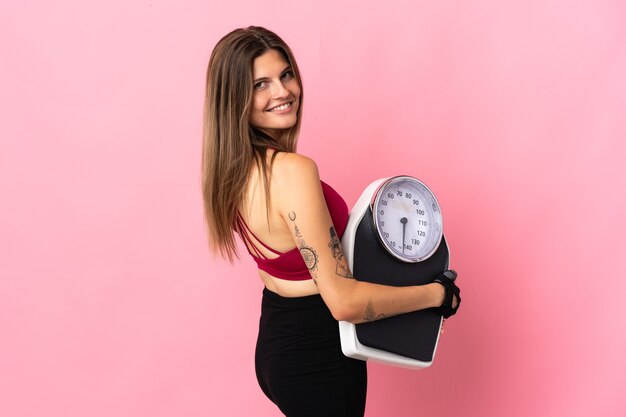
(255, 184)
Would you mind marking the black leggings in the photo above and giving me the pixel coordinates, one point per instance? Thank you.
(299, 363)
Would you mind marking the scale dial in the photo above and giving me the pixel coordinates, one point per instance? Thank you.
(408, 218)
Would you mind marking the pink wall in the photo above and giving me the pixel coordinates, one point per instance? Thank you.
(513, 112)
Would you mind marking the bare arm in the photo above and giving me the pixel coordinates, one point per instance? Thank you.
(300, 201)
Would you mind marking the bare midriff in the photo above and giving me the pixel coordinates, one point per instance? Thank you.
(288, 288)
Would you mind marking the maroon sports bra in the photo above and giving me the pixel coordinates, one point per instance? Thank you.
(290, 265)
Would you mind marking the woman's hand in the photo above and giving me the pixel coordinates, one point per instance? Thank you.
(452, 295)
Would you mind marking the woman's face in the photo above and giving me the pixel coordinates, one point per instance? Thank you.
(275, 94)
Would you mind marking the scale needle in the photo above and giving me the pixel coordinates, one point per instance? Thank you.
(403, 221)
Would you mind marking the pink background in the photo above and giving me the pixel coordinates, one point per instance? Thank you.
(512, 112)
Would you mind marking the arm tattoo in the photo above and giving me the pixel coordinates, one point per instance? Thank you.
(370, 313)
(308, 253)
(335, 248)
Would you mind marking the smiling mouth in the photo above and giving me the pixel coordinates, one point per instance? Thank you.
(281, 107)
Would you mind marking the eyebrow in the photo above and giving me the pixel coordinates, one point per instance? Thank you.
(288, 67)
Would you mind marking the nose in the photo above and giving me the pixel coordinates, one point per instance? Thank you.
(279, 90)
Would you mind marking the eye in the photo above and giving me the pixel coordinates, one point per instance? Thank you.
(260, 85)
(287, 75)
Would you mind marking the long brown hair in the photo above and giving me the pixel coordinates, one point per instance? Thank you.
(230, 145)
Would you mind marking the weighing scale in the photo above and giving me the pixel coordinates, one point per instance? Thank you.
(394, 236)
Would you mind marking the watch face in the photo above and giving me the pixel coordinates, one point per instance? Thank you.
(408, 218)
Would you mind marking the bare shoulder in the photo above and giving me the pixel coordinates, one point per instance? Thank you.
(294, 177)
(288, 165)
